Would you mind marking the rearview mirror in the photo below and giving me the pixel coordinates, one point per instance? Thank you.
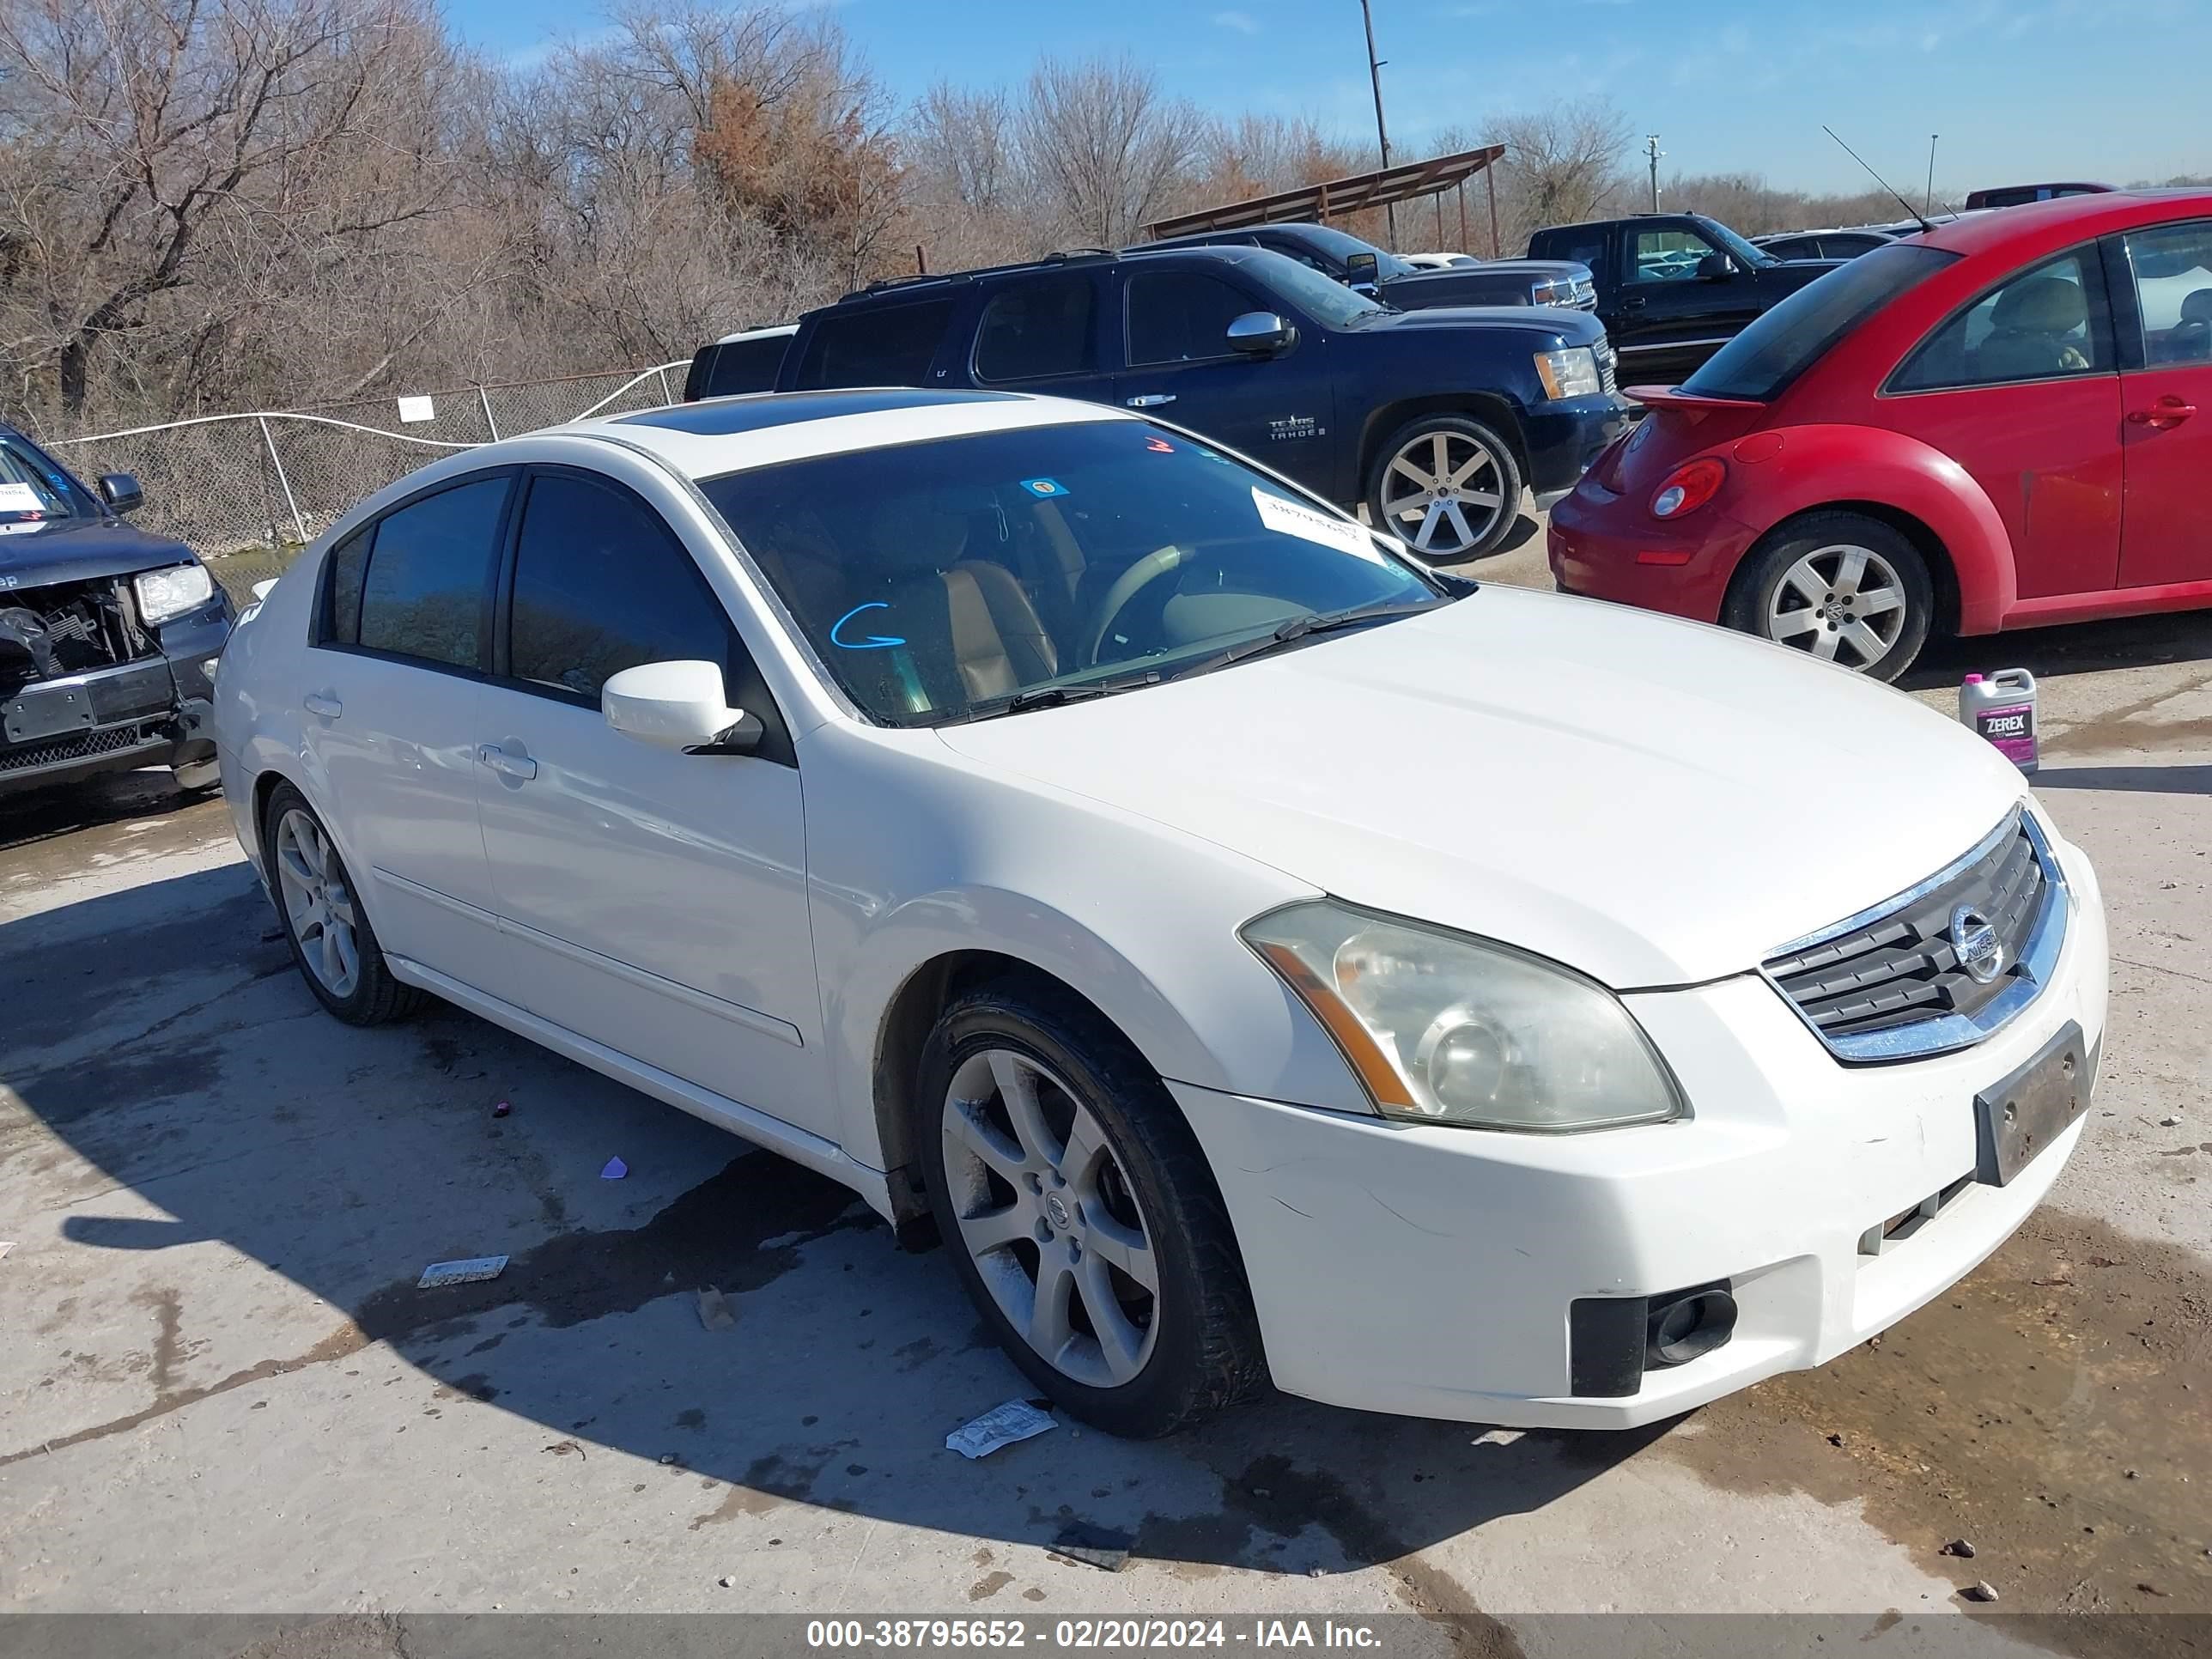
(1261, 333)
(677, 706)
(1362, 269)
(1715, 268)
(121, 492)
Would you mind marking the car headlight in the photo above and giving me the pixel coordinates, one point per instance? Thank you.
(163, 594)
(1571, 372)
(1445, 1029)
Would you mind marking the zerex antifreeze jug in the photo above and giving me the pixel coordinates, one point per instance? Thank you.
(2001, 709)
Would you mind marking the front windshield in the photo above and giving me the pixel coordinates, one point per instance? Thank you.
(34, 490)
(938, 580)
(1323, 299)
(1746, 255)
(1781, 344)
(1339, 247)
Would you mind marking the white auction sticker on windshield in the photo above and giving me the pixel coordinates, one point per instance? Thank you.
(19, 498)
(1311, 524)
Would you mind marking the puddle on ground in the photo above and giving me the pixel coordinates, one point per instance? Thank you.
(2054, 1410)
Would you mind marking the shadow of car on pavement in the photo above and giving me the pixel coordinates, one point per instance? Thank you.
(348, 1159)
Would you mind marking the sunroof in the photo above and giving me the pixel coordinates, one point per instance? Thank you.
(720, 416)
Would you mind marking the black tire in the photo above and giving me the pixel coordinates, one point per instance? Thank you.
(376, 998)
(1753, 595)
(1450, 426)
(1206, 1352)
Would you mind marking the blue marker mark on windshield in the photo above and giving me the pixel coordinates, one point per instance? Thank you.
(873, 642)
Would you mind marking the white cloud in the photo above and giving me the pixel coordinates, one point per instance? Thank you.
(1242, 21)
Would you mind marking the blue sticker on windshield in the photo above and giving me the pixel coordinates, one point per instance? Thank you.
(1041, 488)
(873, 642)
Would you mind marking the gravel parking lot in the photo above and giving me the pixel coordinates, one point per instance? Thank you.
(221, 1392)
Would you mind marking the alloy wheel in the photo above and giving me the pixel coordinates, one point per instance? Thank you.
(1049, 1216)
(1443, 493)
(1843, 604)
(318, 903)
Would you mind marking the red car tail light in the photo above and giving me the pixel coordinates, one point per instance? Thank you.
(1688, 487)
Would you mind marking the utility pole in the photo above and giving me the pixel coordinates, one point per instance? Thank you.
(1651, 148)
(1928, 203)
(1382, 132)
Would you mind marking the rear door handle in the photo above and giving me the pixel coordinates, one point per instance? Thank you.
(316, 703)
(1633, 302)
(520, 767)
(1152, 400)
(2168, 410)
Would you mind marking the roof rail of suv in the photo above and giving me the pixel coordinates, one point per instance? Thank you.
(1063, 257)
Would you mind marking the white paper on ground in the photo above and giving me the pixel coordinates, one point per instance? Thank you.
(465, 1271)
(1002, 1425)
(1311, 524)
(6, 1245)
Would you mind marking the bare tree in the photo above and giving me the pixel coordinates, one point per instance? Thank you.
(1103, 146)
(1562, 164)
(137, 127)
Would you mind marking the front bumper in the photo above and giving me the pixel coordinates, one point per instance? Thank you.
(154, 712)
(1430, 1271)
(1604, 546)
(1564, 438)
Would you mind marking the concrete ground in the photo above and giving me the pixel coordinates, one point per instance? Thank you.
(220, 1391)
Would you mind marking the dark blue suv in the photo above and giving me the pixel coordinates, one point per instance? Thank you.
(1434, 419)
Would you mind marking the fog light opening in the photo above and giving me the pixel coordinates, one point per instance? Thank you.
(1688, 1324)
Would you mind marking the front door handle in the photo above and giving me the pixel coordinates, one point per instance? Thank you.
(1633, 302)
(316, 703)
(520, 767)
(1152, 400)
(2169, 410)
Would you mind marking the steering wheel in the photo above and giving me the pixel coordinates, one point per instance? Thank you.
(2071, 358)
(1127, 585)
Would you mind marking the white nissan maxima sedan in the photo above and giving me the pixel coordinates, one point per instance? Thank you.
(1265, 960)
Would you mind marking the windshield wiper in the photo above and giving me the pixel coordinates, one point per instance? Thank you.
(1052, 697)
(1293, 629)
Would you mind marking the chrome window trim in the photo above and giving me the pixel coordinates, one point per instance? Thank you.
(1947, 1033)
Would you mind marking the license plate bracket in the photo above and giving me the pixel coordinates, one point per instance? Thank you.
(47, 712)
(2017, 1116)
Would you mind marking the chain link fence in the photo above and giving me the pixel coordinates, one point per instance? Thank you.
(237, 484)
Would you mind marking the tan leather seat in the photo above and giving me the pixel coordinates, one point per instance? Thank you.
(2029, 331)
(971, 614)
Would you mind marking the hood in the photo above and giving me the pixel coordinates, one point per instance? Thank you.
(1652, 801)
(1568, 323)
(81, 549)
(1549, 270)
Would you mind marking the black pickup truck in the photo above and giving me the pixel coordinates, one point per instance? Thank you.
(1674, 287)
(106, 632)
(1434, 420)
(1382, 275)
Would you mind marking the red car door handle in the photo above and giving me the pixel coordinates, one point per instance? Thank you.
(2168, 410)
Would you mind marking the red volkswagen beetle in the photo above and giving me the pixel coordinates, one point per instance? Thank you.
(1994, 425)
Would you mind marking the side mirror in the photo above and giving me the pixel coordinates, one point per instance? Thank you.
(1715, 268)
(1363, 270)
(121, 492)
(1260, 334)
(677, 706)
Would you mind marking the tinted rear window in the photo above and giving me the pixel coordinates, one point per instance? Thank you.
(1779, 346)
(879, 345)
(742, 366)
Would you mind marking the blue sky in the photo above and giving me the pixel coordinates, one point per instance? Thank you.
(2019, 89)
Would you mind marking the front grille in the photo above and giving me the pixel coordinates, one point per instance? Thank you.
(1891, 982)
(1607, 379)
(88, 746)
